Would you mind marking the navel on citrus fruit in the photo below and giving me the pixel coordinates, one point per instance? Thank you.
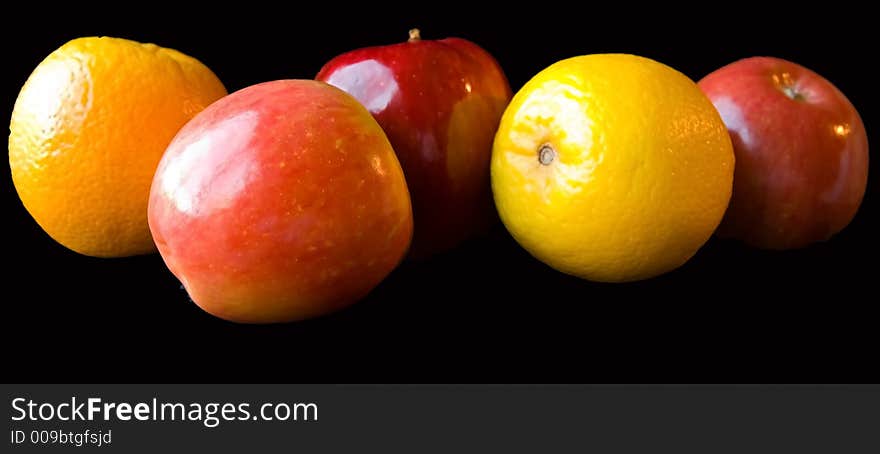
(88, 130)
(611, 167)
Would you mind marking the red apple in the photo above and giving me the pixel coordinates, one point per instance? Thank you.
(801, 153)
(440, 103)
(280, 202)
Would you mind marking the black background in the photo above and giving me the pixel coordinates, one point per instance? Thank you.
(486, 312)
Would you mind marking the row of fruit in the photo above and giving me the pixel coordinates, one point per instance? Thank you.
(293, 198)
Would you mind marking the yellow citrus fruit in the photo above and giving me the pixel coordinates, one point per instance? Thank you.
(88, 130)
(611, 167)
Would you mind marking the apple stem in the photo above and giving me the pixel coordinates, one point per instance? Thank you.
(415, 35)
(792, 93)
(546, 154)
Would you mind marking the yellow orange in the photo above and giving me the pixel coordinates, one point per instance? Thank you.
(88, 130)
(611, 167)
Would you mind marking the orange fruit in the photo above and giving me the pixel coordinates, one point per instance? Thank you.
(88, 130)
(611, 167)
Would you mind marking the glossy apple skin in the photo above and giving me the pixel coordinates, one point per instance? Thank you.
(280, 202)
(801, 153)
(440, 103)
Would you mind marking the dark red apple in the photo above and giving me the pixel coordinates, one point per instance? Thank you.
(801, 153)
(440, 103)
(279, 202)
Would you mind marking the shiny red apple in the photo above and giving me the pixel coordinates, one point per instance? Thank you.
(801, 153)
(440, 103)
(280, 202)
